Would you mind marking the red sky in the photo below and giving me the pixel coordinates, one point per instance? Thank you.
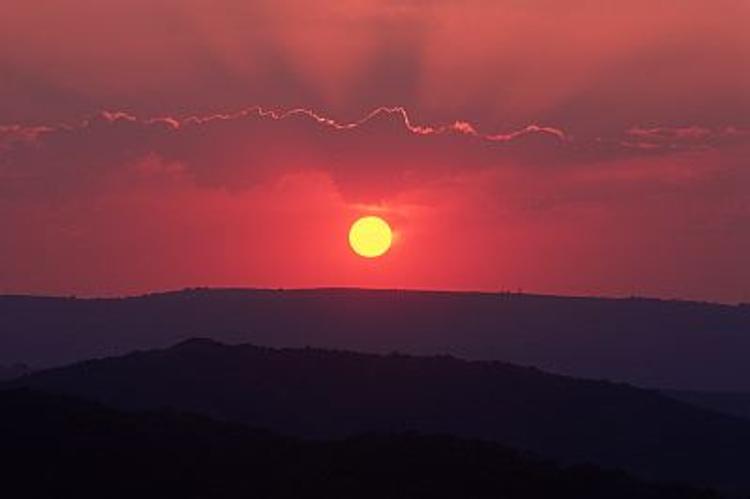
(571, 147)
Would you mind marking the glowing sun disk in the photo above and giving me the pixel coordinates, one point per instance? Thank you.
(370, 237)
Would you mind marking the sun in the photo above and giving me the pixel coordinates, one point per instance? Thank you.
(370, 237)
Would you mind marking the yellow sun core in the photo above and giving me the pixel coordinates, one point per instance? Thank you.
(370, 237)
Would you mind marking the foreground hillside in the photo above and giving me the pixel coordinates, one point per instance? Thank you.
(732, 403)
(61, 447)
(10, 372)
(661, 344)
(329, 394)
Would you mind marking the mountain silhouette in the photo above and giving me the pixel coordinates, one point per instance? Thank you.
(653, 343)
(733, 403)
(14, 371)
(56, 446)
(335, 394)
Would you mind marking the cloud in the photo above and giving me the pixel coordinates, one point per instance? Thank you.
(374, 157)
(235, 151)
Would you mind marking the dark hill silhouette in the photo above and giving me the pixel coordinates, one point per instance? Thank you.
(661, 344)
(14, 371)
(325, 394)
(733, 403)
(62, 447)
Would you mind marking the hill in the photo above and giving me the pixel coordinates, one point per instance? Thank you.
(14, 371)
(61, 447)
(661, 344)
(733, 403)
(334, 394)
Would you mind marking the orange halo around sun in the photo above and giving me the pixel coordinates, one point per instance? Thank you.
(370, 236)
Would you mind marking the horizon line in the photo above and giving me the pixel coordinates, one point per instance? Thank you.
(518, 292)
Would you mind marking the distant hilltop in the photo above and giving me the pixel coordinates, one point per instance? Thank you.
(13, 371)
(655, 343)
(353, 290)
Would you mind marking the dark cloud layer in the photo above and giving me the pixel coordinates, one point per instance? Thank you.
(375, 157)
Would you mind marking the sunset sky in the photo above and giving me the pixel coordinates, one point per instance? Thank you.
(569, 147)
